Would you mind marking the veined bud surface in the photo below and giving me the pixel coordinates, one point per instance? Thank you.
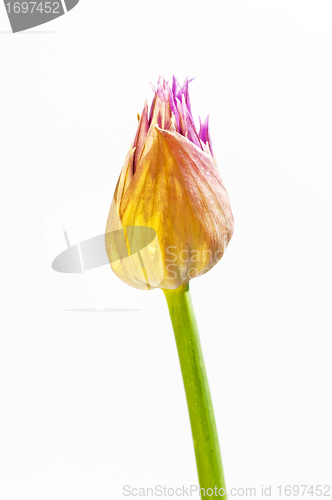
(170, 200)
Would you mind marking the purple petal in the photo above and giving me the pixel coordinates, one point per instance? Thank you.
(191, 129)
(204, 134)
(174, 100)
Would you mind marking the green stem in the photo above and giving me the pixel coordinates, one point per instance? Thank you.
(203, 425)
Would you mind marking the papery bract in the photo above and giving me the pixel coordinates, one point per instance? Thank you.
(170, 183)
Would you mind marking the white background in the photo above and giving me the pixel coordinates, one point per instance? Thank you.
(91, 401)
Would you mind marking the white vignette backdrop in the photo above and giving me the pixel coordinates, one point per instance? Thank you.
(92, 401)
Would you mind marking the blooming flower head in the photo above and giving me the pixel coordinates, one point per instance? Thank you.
(170, 184)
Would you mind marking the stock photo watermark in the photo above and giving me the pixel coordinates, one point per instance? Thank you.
(24, 15)
(280, 491)
(185, 262)
(75, 239)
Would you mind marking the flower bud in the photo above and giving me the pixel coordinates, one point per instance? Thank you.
(169, 184)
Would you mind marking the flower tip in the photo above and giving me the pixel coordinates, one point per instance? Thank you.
(159, 129)
(162, 132)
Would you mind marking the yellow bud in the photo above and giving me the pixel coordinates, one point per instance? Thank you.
(169, 184)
